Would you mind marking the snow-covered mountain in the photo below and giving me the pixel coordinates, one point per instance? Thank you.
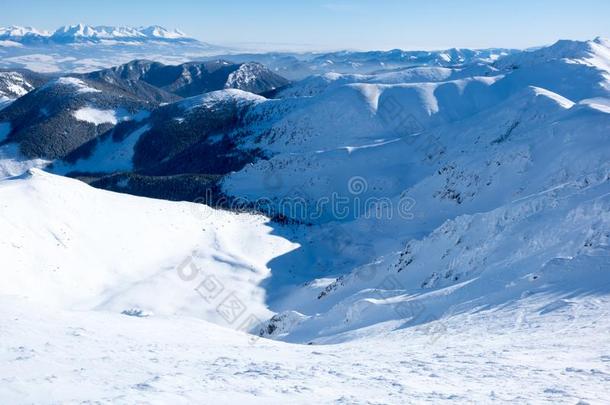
(87, 33)
(225, 247)
(15, 35)
(476, 159)
(514, 145)
(467, 197)
(299, 66)
(63, 115)
(84, 48)
(194, 78)
(54, 119)
(12, 86)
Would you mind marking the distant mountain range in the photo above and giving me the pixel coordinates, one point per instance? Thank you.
(87, 33)
(83, 48)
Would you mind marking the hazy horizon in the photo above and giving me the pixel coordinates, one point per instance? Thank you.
(336, 25)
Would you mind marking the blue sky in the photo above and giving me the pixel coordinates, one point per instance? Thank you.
(335, 24)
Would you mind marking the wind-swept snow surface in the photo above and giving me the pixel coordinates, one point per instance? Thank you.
(559, 354)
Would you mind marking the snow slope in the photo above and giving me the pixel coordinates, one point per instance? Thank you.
(62, 246)
(14, 163)
(499, 357)
(106, 157)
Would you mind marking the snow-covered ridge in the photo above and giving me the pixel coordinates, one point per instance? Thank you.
(594, 53)
(88, 33)
(221, 96)
(16, 31)
(246, 74)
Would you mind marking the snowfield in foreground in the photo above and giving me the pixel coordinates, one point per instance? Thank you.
(489, 357)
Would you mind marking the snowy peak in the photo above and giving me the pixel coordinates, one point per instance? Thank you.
(155, 31)
(595, 53)
(254, 77)
(73, 31)
(88, 33)
(16, 33)
(577, 50)
(80, 32)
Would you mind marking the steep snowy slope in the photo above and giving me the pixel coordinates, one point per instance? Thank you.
(490, 160)
(295, 66)
(555, 248)
(68, 245)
